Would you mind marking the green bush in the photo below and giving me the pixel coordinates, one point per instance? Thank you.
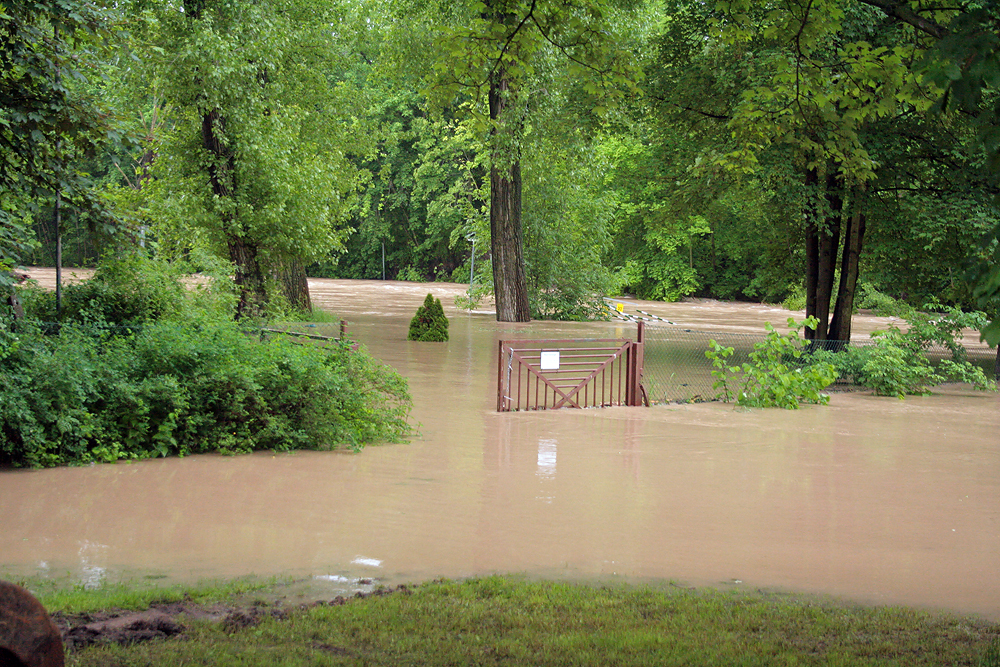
(130, 291)
(896, 363)
(893, 366)
(142, 365)
(773, 377)
(430, 323)
(86, 396)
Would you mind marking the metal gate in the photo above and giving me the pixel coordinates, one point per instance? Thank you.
(552, 374)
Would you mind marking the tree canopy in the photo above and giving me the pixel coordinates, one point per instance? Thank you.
(49, 119)
(815, 152)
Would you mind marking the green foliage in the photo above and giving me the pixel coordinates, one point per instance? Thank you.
(474, 295)
(654, 253)
(426, 190)
(48, 118)
(892, 368)
(142, 366)
(430, 323)
(132, 291)
(773, 377)
(254, 162)
(897, 364)
(409, 273)
(125, 292)
(87, 395)
(567, 225)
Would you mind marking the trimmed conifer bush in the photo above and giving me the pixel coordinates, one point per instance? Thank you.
(430, 323)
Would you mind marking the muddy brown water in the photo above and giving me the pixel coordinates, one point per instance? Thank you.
(871, 499)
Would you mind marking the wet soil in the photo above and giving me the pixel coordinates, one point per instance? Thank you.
(872, 499)
(165, 620)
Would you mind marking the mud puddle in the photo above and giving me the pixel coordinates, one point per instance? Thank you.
(872, 499)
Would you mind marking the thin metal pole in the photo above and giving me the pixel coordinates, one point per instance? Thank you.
(58, 215)
(383, 260)
(58, 256)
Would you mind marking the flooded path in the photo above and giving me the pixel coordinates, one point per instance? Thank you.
(872, 499)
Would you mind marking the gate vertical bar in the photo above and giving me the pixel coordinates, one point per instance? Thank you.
(640, 358)
(500, 377)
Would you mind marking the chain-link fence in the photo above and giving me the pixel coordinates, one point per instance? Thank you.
(677, 370)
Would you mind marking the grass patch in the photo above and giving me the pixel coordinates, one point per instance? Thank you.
(59, 597)
(502, 620)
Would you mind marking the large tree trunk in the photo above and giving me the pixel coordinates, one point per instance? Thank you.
(243, 251)
(829, 245)
(854, 235)
(291, 274)
(510, 287)
(248, 277)
(822, 246)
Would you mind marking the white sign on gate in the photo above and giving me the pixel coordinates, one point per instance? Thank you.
(549, 360)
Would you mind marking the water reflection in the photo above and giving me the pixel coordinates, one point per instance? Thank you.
(546, 458)
(874, 499)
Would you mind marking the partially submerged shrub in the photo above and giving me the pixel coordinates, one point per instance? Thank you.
(131, 291)
(896, 363)
(143, 366)
(773, 377)
(430, 323)
(86, 395)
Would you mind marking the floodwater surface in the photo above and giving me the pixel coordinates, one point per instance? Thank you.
(871, 499)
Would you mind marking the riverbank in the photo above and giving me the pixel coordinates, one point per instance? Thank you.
(514, 621)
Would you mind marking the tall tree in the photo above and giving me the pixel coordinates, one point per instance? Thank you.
(492, 50)
(257, 152)
(47, 48)
(964, 62)
(838, 77)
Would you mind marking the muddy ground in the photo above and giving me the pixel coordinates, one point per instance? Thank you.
(171, 619)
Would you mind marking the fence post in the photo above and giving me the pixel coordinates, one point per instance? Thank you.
(640, 354)
(500, 378)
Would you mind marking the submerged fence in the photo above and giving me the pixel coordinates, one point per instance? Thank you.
(579, 373)
(677, 370)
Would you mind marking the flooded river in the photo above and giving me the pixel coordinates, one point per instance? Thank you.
(871, 499)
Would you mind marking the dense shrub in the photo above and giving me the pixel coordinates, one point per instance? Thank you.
(129, 291)
(896, 363)
(87, 395)
(430, 323)
(143, 366)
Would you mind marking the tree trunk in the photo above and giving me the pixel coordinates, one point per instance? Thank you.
(812, 258)
(16, 309)
(829, 244)
(294, 284)
(248, 276)
(822, 248)
(840, 326)
(510, 286)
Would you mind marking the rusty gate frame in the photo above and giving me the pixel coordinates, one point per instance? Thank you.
(527, 354)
